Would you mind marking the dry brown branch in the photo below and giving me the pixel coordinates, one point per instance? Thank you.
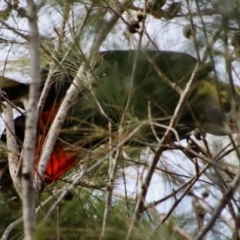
(182, 232)
(144, 188)
(226, 198)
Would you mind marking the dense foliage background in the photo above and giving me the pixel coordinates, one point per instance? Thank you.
(192, 195)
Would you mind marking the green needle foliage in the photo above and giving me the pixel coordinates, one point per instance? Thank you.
(126, 91)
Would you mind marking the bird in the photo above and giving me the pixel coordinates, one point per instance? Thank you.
(149, 96)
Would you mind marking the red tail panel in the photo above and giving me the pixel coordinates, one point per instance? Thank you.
(62, 158)
(60, 162)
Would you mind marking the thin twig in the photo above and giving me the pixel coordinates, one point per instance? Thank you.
(72, 92)
(190, 185)
(20, 220)
(165, 139)
(26, 37)
(108, 204)
(226, 198)
(52, 65)
(10, 228)
(99, 162)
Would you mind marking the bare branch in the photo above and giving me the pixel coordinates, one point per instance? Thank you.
(29, 190)
(52, 65)
(10, 228)
(13, 151)
(73, 91)
(145, 185)
(226, 198)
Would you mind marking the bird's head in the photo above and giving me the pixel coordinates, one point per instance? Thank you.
(216, 106)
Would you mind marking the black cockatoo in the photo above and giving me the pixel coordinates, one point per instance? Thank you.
(116, 85)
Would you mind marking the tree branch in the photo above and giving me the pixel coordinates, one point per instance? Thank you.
(29, 143)
(73, 91)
